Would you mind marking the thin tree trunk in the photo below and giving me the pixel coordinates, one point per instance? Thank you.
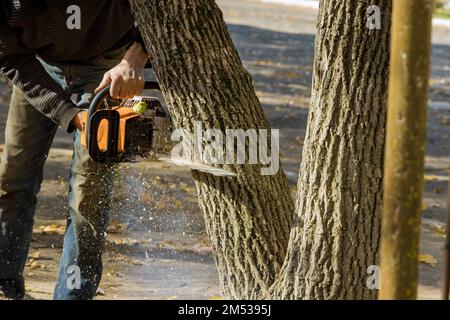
(248, 218)
(405, 150)
(337, 225)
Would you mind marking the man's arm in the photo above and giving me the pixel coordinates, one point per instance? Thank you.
(41, 91)
(28, 74)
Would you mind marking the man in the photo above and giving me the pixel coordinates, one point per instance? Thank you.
(52, 50)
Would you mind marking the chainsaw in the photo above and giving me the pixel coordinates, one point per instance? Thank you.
(131, 130)
(126, 130)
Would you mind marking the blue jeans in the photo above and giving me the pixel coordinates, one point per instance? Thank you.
(28, 137)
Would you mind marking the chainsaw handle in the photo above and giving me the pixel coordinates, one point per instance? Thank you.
(104, 93)
(97, 102)
(113, 119)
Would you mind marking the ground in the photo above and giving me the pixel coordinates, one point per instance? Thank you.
(156, 246)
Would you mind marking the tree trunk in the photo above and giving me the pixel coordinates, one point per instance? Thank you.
(405, 150)
(337, 225)
(248, 218)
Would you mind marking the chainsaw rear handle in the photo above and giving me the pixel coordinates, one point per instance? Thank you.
(113, 119)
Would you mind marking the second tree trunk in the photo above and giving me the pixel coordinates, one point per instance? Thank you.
(337, 225)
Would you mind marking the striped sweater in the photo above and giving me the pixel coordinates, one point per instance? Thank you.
(30, 28)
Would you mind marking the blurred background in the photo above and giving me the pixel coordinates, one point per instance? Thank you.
(156, 245)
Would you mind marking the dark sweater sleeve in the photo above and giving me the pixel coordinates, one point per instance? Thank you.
(28, 74)
(138, 38)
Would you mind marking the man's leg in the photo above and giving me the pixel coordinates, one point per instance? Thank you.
(89, 198)
(28, 137)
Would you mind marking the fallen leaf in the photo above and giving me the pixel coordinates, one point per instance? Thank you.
(445, 120)
(146, 198)
(136, 262)
(52, 229)
(437, 190)
(178, 203)
(424, 206)
(33, 265)
(440, 229)
(129, 242)
(201, 248)
(163, 203)
(263, 62)
(117, 227)
(37, 256)
(428, 259)
(433, 178)
(216, 298)
(430, 178)
(34, 255)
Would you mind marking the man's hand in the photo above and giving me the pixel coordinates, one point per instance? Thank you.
(127, 78)
(78, 120)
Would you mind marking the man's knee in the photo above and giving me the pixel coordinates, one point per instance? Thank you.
(15, 177)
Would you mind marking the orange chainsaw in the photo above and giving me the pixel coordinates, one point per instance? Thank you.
(125, 130)
(129, 130)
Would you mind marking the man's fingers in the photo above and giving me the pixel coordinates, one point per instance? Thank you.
(130, 89)
(121, 87)
(105, 82)
(140, 87)
(136, 88)
(124, 93)
(116, 87)
(78, 120)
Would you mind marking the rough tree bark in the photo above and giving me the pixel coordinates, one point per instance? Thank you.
(337, 225)
(248, 218)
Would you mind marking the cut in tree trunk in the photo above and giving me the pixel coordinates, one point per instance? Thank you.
(248, 218)
(337, 224)
(405, 149)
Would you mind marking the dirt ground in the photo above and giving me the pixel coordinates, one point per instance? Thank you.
(156, 246)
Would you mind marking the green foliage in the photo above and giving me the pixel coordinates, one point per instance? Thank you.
(439, 4)
(440, 10)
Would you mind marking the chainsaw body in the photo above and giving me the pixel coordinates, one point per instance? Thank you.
(114, 132)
